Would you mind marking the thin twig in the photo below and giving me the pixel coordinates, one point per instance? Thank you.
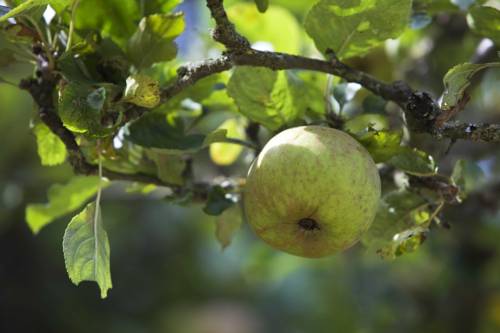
(72, 24)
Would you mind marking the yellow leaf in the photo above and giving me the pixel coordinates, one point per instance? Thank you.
(142, 91)
(228, 153)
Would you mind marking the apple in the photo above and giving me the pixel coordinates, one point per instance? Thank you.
(312, 191)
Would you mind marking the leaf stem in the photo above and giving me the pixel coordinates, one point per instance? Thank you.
(97, 207)
(241, 143)
(72, 24)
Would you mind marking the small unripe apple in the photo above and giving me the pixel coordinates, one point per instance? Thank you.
(312, 191)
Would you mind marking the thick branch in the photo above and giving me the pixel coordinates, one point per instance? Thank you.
(473, 132)
(190, 74)
(420, 109)
(225, 32)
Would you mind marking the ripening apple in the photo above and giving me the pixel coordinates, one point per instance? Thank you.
(312, 191)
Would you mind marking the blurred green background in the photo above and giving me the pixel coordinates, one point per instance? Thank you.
(170, 274)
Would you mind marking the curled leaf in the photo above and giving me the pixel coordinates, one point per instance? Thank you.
(142, 91)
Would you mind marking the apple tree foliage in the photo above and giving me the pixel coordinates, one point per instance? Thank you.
(114, 98)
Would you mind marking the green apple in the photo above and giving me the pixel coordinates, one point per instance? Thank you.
(312, 191)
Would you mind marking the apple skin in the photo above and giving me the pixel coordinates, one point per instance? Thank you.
(312, 191)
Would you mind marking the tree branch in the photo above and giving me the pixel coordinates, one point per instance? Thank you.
(192, 73)
(225, 32)
(472, 132)
(41, 90)
(420, 109)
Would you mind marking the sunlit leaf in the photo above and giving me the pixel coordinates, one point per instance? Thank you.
(270, 98)
(116, 19)
(404, 242)
(485, 21)
(259, 27)
(458, 79)
(154, 39)
(228, 153)
(382, 145)
(79, 108)
(262, 5)
(159, 6)
(50, 147)
(86, 249)
(362, 122)
(142, 90)
(31, 4)
(63, 199)
(140, 188)
(352, 28)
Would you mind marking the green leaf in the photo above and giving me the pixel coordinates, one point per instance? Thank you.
(83, 106)
(7, 57)
(218, 201)
(352, 28)
(433, 7)
(270, 98)
(142, 90)
(97, 98)
(50, 148)
(159, 6)
(86, 249)
(262, 5)
(313, 92)
(153, 40)
(156, 130)
(385, 147)
(227, 224)
(458, 79)
(75, 111)
(262, 28)
(170, 167)
(114, 18)
(382, 145)
(404, 242)
(414, 162)
(63, 199)
(399, 213)
(374, 104)
(468, 176)
(32, 4)
(140, 188)
(366, 121)
(485, 21)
